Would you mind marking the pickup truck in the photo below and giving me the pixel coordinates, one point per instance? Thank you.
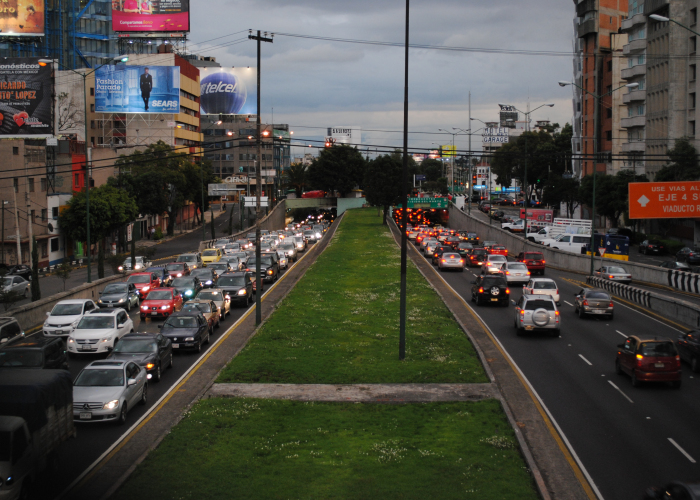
(36, 416)
(514, 227)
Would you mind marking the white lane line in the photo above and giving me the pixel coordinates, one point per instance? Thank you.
(618, 390)
(618, 331)
(568, 303)
(589, 363)
(685, 453)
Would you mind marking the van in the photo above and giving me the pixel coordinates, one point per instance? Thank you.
(573, 243)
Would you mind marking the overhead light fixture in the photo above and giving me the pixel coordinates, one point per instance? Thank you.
(659, 18)
(564, 84)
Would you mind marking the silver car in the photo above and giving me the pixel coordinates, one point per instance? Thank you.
(16, 284)
(536, 312)
(593, 301)
(219, 297)
(289, 250)
(515, 272)
(614, 273)
(106, 390)
(493, 264)
(451, 261)
(300, 243)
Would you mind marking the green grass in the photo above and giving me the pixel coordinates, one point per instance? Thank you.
(340, 324)
(252, 448)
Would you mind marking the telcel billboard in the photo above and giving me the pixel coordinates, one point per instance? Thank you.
(137, 89)
(228, 91)
(21, 18)
(150, 16)
(26, 103)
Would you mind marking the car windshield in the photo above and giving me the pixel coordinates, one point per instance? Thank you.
(100, 378)
(215, 296)
(96, 323)
(218, 266)
(597, 295)
(197, 306)
(267, 261)
(160, 295)
(183, 283)
(240, 255)
(497, 258)
(174, 267)
(657, 349)
(201, 272)
(136, 345)
(116, 288)
(181, 322)
(545, 285)
(67, 309)
(489, 282)
(29, 358)
(186, 258)
(6, 281)
(287, 246)
(139, 279)
(232, 281)
(532, 305)
(616, 270)
(479, 251)
(517, 266)
(308, 233)
(464, 246)
(210, 253)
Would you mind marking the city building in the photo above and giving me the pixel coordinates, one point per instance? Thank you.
(618, 108)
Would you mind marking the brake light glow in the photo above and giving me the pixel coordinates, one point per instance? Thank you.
(585, 302)
(639, 356)
(611, 304)
(481, 290)
(507, 290)
(556, 313)
(444, 260)
(508, 273)
(610, 277)
(528, 273)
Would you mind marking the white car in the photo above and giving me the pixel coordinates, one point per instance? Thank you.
(141, 263)
(98, 331)
(515, 272)
(219, 297)
(65, 316)
(283, 260)
(614, 273)
(542, 286)
(493, 264)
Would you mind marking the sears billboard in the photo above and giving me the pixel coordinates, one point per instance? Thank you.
(137, 89)
(26, 98)
(150, 16)
(227, 91)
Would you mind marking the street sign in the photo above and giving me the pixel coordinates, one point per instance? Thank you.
(420, 177)
(664, 200)
(427, 203)
(601, 251)
(222, 189)
(250, 201)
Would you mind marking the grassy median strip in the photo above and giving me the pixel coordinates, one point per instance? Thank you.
(253, 448)
(340, 324)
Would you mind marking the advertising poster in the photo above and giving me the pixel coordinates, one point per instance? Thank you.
(137, 89)
(21, 18)
(149, 16)
(26, 104)
(228, 91)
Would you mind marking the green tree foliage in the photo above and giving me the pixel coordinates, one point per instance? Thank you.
(558, 189)
(63, 272)
(36, 291)
(611, 193)
(432, 169)
(338, 168)
(296, 177)
(382, 183)
(684, 164)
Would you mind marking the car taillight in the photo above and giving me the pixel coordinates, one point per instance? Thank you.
(507, 290)
(461, 261)
(443, 260)
(611, 304)
(556, 313)
(610, 277)
(481, 290)
(585, 302)
(542, 262)
(557, 292)
(528, 273)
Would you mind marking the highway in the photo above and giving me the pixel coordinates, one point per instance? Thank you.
(626, 438)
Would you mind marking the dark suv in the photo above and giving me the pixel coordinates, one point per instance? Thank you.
(688, 345)
(477, 257)
(34, 352)
(238, 286)
(490, 289)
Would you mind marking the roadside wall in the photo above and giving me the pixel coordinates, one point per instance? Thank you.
(348, 203)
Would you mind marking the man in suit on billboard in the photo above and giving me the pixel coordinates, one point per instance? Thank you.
(146, 84)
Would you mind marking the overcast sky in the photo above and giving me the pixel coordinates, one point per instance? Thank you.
(315, 84)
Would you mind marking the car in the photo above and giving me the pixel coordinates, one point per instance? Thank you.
(22, 270)
(141, 263)
(187, 287)
(283, 261)
(477, 257)
(498, 250)
(16, 284)
(486, 244)
(492, 264)
(505, 201)
(161, 302)
(162, 275)
(208, 309)
(464, 248)
(300, 243)
(469, 237)
(65, 316)
(688, 255)
(437, 253)
(177, 270)
(98, 331)
(453, 241)
(533, 260)
(652, 246)
(193, 260)
(430, 247)
(593, 301)
(496, 214)
(649, 359)
(144, 282)
(290, 250)
(244, 243)
(207, 277)
(34, 352)
(536, 312)
(223, 266)
(268, 270)
(614, 273)
(119, 295)
(674, 491)
(9, 329)
(688, 345)
(218, 296)
(490, 289)
(104, 391)
(675, 266)
(451, 260)
(515, 272)
(211, 255)
(231, 248)
(311, 236)
(187, 330)
(427, 241)
(238, 287)
(542, 286)
(151, 351)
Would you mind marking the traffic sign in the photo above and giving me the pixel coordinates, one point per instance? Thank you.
(601, 251)
(222, 189)
(664, 200)
(426, 203)
(250, 201)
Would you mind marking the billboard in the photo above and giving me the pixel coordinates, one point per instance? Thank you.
(26, 103)
(495, 135)
(137, 89)
(149, 16)
(21, 18)
(449, 151)
(508, 116)
(664, 200)
(346, 135)
(228, 91)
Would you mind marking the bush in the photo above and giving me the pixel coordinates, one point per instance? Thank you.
(158, 234)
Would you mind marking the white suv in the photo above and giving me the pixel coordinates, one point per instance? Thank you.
(98, 331)
(536, 312)
(65, 316)
(542, 286)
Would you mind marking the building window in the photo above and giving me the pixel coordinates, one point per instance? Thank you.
(608, 135)
(692, 128)
(640, 110)
(693, 16)
(77, 180)
(42, 182)
(608, 112)
(15, 183)
(642, 84)
(692, 100)
(609, 65)
(693, 44)
(54, 244)
(693, 72)
(92, 123)
(641, 59)
(31, 185)
(15, 150)
(54, 213)
(92, 108)
(32, 216)
(92, 91)
(44, 213)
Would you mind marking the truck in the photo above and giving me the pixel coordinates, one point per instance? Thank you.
(36, 416)
(537, 214)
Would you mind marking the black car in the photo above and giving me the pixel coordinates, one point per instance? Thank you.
(489, 289)
(21, 270)
(469, 237)
(162, 274)
(34, 352)
(477, 257)
(688, 345)
(268, 269)
(674, 491)
(119, 295)
(238, 286)
(152, 351)
(439, 250)
(676, 266)
(187, 330)
(187, 286)
(496, 214)
(464, 248)
(207, 277)
(689, 255)
(652, 246)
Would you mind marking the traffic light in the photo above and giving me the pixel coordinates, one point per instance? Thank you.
(240, 169)
(474, 180)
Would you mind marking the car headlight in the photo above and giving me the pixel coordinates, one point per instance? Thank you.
(179, 275)
(208, 282)
(165, 307)
(270, 272)
(106, 340)
(120, 268)
(188, 292)
(144, 308)
(146, 288)
(150, 366)
(122, 300)
(189, 339)
(71, 340)
(111, 405)
(138, 266)
(242, 291)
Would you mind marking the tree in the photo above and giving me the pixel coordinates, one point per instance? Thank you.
(297, 177)
(684, 164)
(432, 169)
(36, 291)
(611, 193)
(116, 260)
(338, 168)
(198, 176)
(382, 183)
(63, 272)
(557, 190)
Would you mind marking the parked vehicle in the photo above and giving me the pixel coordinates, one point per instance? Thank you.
(536, 312)
(65, 316)
(655, 247)
(151, 351)
(593, 301)
(16, 284)
(647, 359)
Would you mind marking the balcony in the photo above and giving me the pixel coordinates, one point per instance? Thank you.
(634, 95)
(634, 147)
(633, 121)
(634, 46)
(633, 21)
(634, 71)
(585, 6)
(590, 26)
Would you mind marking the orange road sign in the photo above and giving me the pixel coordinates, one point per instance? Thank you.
(664, 200)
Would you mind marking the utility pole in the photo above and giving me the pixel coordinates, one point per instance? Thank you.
(404, 203)
(3, 230)
(19, 241)
(258, 181)
(471, 184)
(28, 202)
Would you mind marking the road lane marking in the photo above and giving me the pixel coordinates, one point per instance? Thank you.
(618, 331)
(568, 303)
(589, 363)
(685, 453)
(618, 390)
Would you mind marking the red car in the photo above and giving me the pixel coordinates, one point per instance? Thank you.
(161, 303)
(144, 282)
(649, 360)
(177, 269)
(533, 260)
(498, 250)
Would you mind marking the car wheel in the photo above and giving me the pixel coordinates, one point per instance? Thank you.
(121, 420)
(199, 346)
(156, 376)
(128, 306)
(580, 312)
(695, 364)
(26, 292)
(635, 380)
(208, 335)
(144, 395)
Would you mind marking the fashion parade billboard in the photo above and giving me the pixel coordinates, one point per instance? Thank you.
(137, 89)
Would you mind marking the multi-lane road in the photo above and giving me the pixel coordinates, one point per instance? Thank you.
(625, 438)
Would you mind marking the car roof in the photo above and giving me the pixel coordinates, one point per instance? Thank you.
(541, 279)
(73, 301)
(161, 289)
(139, 335)
(110, 364)
(547, 298)
(187, 314)
(650, 339)
(109, 311)
(143, 273)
